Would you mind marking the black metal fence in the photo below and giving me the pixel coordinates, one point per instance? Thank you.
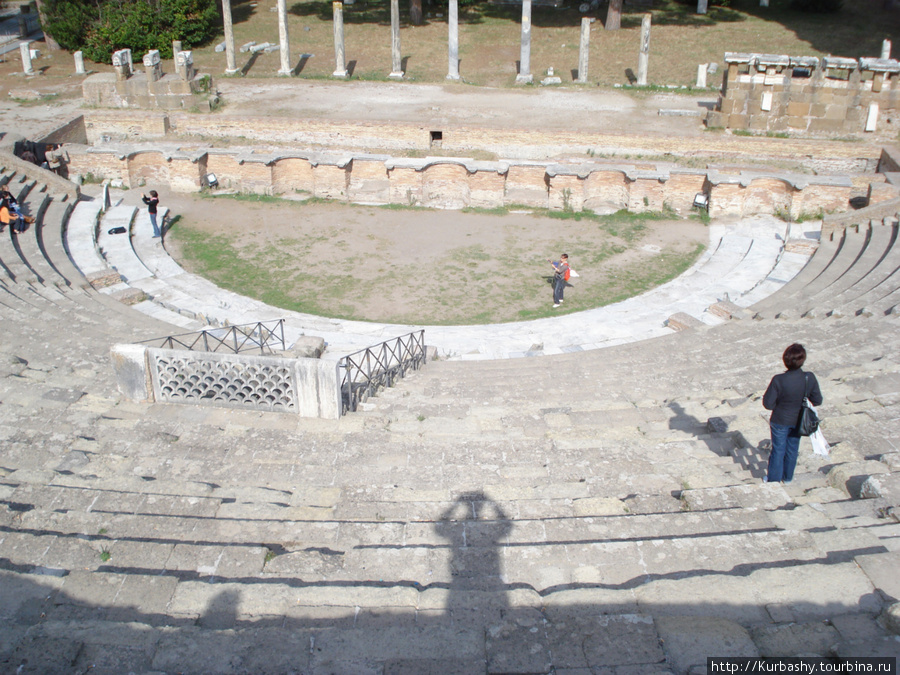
(370, 369)
(265, 336)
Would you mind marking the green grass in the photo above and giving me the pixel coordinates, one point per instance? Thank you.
(507, 280)
(489, 39)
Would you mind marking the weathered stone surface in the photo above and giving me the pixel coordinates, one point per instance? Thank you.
(682, 321)
(795, 639)
(890, 617)
(883, 486)
(850, 476)
(688, 641)
(10, 364)
(306, 347)
(881, 568)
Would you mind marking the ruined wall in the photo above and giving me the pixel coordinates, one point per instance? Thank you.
(601, 186)
(169, 92)
(766, 92)
(378, 140)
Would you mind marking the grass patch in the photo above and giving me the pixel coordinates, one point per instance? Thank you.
(244, 197)
(422, 269)
(489, 39)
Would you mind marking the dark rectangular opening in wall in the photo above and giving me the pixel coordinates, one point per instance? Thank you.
(437, 137)
(801, 72)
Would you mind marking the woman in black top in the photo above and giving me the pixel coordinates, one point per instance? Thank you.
(152, 203)
(784, 397)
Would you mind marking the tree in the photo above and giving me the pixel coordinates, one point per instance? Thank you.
(52, 44)
(415, 12)
(614, 15)
(100, 27)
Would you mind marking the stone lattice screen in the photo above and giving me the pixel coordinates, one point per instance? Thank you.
(306, 387)
(258, 383)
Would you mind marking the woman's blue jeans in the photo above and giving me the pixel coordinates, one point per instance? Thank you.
(783, 458)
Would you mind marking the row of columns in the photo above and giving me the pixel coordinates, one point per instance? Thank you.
(524, 76)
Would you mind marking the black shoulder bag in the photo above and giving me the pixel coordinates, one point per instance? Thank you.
(809, 421)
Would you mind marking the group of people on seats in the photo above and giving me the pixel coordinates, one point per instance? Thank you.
(10, 214)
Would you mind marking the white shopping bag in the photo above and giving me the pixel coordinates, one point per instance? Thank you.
(819, 444)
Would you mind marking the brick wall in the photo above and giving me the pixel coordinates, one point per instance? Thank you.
(603, 187)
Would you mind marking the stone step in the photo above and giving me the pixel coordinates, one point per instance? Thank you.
(80, 242)
(44, 234)
(825, 253)
(116, 248)
(52, 240)
(25, 242)
(621, 549)
(852, 245)
(878, 263)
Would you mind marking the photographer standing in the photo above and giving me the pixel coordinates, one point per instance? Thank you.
(152, 202)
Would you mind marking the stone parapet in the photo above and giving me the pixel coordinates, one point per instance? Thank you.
(307, 387)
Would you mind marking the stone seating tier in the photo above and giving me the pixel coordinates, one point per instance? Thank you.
(582, 495)
(527, 515)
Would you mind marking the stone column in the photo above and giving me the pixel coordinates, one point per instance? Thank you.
(284, 40)
(644, 59)
(702, 6)
(230, 67)
(701, 76)
(524, 76)
(340, 64)
(176, 47)
(396, 61)
(886, 49)
(25, 51)
(583, 49)
(453, 41)
(79, 63)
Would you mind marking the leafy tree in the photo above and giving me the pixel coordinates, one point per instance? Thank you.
(100, 27)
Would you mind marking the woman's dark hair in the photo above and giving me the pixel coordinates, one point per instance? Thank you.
(794, 356)
(153, 193)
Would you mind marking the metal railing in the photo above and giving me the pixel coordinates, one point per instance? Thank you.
(371, 369)
(266, 336)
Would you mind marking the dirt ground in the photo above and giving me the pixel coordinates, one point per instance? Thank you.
(419, 266)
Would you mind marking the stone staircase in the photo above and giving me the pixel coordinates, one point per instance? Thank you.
(518, 516)
(585, 512)
(854, 272)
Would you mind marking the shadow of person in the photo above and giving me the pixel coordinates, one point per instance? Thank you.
(476, 528)
(221, 613)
